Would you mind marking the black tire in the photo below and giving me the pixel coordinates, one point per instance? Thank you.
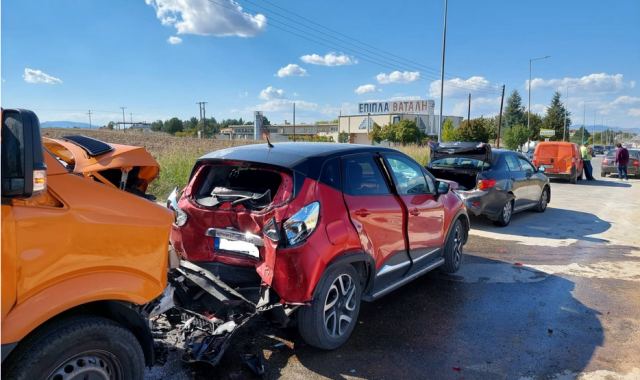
(543, 201)
(316, 326)
(573, 179)
(77, 346)
(505, 217)
(453, 248)
(603, 174)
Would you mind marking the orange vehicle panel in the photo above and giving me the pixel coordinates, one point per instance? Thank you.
(81, 241)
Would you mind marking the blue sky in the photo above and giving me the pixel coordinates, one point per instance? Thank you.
(159, 57)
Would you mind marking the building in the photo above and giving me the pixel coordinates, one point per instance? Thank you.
(281, 132)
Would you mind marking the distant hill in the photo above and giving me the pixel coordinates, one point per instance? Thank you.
(66, 124)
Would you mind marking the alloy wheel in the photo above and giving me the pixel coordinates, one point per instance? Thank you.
(458, 242)
(544, 199)
(90, 365)
(507, 210)
(340, 305)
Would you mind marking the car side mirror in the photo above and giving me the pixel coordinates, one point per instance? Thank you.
(541, 169)
(442, 187)
(24, 172)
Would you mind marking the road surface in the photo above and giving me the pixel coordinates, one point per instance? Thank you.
(553, 295)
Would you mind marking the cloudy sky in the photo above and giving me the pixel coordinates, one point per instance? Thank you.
(159, 57)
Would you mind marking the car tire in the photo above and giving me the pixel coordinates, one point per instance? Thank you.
(78, 346)
(603, 174)
(505, 214)
(543, 201)
(453, 248)
(333, 314)
(573, 179)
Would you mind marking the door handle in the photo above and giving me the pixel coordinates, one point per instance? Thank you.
(362, 212)
(414, 212)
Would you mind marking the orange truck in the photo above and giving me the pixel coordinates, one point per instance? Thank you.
(84, 255)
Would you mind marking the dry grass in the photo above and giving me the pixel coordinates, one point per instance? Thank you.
(176, 155)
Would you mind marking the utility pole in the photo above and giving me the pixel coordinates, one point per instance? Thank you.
(584, 119)
(89, 113)
(131, 118)
(294, 121)
(123, 119)
(444, 47)
(529, 85)
(469, 111)
(593, 130)
(203, 116)
(499, 117)
(566, 111)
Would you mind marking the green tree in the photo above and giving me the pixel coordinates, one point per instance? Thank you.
(157, 125)
(111, 125)
(581, 136)
(408, 132)
(376, 134)
(480, 130)
(514, 111)
(343, 137)
(554, 118)
(516, 136)
(449, 132)
(172, 125)
(536, 123)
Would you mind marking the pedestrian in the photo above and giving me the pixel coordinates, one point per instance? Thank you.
(622, 160)
(586, 158)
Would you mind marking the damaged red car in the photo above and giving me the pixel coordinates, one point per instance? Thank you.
(322, 226)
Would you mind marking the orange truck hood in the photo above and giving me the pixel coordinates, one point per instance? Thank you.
(120, 157)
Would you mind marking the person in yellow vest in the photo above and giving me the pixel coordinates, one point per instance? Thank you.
(586, 158)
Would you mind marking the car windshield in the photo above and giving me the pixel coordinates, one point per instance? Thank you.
(460, 162)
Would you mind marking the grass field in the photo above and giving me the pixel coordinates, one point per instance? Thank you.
(176, 155)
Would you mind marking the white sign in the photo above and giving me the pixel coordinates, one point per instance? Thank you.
(547, 132)
(399, 106)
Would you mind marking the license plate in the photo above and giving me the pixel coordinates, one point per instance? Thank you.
(547, 166)
(236, 246)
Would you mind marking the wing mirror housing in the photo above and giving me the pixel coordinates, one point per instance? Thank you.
(24, 172)
(442, 187)
(541, 169)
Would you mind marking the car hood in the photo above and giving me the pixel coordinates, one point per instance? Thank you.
(80, 161)
(474, 150)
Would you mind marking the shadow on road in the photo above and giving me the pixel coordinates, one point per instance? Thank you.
(445, 327)
(554, 223)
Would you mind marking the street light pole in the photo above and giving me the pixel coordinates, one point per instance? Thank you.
(444, 46)
(566, 111)
(529, 109)
(123, 119)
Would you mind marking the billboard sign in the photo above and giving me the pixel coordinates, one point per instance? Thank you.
(547, 132)
(397, 106)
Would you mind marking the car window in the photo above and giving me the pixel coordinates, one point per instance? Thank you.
(512, 162)
(460, 162)
(361, 176)
(331, 173)
(407, 175)
(525, 165)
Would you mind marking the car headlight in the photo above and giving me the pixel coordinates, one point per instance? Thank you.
(302, 223)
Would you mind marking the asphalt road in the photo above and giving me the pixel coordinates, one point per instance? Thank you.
(552, 296)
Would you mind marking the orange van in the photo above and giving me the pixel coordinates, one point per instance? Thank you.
(559, 159)
(83, 255)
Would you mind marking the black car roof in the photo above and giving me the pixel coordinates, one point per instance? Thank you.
(304, 157)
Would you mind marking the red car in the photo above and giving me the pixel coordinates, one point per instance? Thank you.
(322, 225)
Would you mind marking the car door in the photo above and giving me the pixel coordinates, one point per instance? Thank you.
(518, 180)
(377, 214)
(533, 182)
(425, 212)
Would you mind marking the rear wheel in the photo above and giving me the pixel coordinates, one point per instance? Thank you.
(453, 249)
(330, 319)
(573, 179)
(78, 348)
(505, 215)
(544, 200)
(603, 174)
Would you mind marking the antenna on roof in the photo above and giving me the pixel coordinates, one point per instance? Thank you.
(268, 142)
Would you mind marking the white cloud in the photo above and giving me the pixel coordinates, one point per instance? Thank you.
(634, 112)
(398, 77)
(459, 86)
(271, 92)
(174, 40)
(329, 59)
(626, 100)
(366, 88)
(291, 70)
(208, 18)
(37, 76)
(595, 83)
(275, 105)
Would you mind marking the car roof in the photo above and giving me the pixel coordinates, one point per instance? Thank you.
(304, 157)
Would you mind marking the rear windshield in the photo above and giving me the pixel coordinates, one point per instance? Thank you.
(460, 162)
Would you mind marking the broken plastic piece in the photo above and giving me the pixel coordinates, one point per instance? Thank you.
(255, 362)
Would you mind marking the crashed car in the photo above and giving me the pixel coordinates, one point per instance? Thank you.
(310, 229)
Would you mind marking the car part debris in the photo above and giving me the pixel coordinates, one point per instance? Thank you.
(255, 362)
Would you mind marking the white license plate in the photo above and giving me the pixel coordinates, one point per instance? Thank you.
(236, 246)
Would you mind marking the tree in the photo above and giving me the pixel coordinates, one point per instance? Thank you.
(265, 121)
(449, 132)
(376, 134)
(343, 137)
(581, 136)
(514, 111)
(554, 118)
(111, 125)
(480, 130)
(157, 125)
(535, 123)
(403, 132)
(172, 125)
(516, 136)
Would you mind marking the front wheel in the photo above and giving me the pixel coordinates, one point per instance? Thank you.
(78, 348)
(505, 215)
(544, 200)
(453, 249)
(333, 314)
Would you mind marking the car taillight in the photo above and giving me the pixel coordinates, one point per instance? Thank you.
(485, 184)
(298, 228)
(605, 161)
(636, 163)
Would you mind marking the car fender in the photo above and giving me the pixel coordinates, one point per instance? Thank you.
(57, 298)
(352, 257)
